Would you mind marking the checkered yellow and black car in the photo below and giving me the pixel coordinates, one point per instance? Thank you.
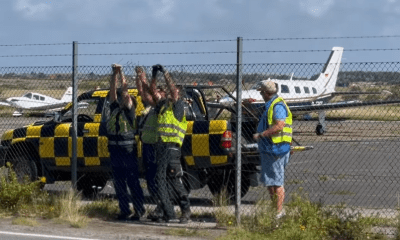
(44, 149)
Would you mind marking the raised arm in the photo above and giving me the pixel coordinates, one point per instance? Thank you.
(143, 88)
(126, 98)
(156, 95)
(173, 91)
(113, 83)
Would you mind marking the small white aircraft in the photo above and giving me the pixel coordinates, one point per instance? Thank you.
(36, 101)
(305, 96)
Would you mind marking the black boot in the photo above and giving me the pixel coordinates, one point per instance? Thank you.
(137, 216)
(185, 217)
(156, 215)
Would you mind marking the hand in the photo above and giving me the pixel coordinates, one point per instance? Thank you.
(257, 136)
(139, 69)
(159, 68)
(116, 67)
(154, 71)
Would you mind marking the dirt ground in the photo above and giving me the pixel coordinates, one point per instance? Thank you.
(101, 229)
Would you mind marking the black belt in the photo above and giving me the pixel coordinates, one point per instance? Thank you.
(127, 142)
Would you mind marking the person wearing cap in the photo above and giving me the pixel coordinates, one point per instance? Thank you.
(148, 132)
(274, 136)
(121, 128)
(171, 128)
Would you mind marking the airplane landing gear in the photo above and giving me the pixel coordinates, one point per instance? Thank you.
(320, 130)
(321, 127)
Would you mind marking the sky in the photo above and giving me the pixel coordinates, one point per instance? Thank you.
(196, 26)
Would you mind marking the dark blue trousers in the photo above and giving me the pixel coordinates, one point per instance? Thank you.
(126, 174)
(150, 164)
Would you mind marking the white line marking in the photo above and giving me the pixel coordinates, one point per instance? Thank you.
(45, 236)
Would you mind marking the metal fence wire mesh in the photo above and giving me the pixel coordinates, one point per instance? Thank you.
(354, 160)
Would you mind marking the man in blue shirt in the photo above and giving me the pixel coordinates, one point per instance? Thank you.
(274, 136)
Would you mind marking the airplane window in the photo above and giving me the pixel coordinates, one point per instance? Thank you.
(314, 90)
(28, 95)
(284, 89)
(256, 86)
(36, 97)
(306, 90)
(42, 98)
(297, 89)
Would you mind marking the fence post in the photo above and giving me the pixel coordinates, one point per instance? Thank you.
(238, 128)
(74, 116)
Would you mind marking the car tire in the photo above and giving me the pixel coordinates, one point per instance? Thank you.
(90, 186)
(23, 165)
(221, 183)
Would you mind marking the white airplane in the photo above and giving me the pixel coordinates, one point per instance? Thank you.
(36, 101)
(305, 96)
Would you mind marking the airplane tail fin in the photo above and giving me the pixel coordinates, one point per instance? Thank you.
(67, 97)
(329, 74)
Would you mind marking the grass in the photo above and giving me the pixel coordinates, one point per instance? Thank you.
(323, 178)
(102, 208)
(294, 181)
(342, 192)
(304, 219)
(25, 221)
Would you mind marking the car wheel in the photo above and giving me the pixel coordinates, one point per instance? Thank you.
(24, 167)
(90, 186)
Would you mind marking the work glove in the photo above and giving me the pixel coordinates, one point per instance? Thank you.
(158, 67)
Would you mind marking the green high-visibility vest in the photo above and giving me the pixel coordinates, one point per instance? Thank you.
(150, 128)
(170, 129)
(286, 134)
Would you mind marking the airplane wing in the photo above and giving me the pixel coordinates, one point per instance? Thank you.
(5, 104)
(255, 107)
(339, 105)
(47, 107)
(356, 93)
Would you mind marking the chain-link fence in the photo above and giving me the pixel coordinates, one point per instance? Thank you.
(354, 159)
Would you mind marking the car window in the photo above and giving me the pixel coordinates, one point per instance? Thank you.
(86, 111)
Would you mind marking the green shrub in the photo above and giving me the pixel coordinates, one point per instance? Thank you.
(304, 220)
(13, 193)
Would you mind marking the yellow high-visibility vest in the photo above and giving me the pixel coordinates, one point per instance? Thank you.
(286, 134)
(170, 129)
(150, 128)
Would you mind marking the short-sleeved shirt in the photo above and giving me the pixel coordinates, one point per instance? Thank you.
(265, 145)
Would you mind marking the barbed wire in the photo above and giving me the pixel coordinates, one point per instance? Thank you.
(34, 44)
(189, 53)
(160, 42)
(319, 38)
(201, 41)
(41, 55)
